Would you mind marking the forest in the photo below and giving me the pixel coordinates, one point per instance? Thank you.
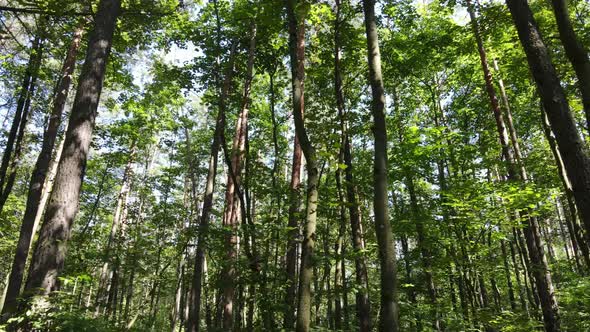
(295, 165)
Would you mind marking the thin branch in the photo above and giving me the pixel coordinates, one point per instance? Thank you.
(74, 13)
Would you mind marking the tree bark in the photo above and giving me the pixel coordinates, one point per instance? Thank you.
(232, 203)
(576, 233)
(11, 161)
(296, 13)
(389, 309)
(363, 307)
(531, 229)
(49, 254)
(575, 158)
(193, 321)
(21, 114)
(110, 253)
(425, 252)
(293, 220)
(575, 52)
(40, 172)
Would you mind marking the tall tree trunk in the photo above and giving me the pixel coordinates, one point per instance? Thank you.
(39, 175)
(425, 253)
(193, 321)
(363, 308)
(508, 277)
(268, 281)
(507, 153)
(22, 108)
(296, 13)
(232, 203)
(572, 223)
(575, 158)
(575, 52)
(521, 289)
(11, 161)
(293, 221)
(510, 122)
(411, 290)
(389, 309)
(49, 254)
(531, 229)
(338, 289)
(107, 271)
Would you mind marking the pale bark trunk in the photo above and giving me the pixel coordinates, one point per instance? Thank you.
(107, 272)
(389, 310)
(293, 221)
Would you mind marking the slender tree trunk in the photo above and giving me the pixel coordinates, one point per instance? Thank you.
(110, 252)
(424, 251)
(296, 13)
(193, 321)
(389, 310)
(49, 254)
(269, 282)
(575, 52)
(6, 183)
(531, 230)
(508, 277)
(293, 223)
(510, 122)
(521, 289)
(22, 109)
(575, 158)
(363, 307)
(574, 228)
(39, 175)
(232, 203)
(338, 251)
(500, 124)
(410, 280)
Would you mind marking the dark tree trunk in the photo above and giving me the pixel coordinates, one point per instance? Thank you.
(39, 175)
(574, 228)
(50, 250)
(22, 109)
(575, 52)
(572, 148)
(508, 277)
(531, 230)
(338, 250)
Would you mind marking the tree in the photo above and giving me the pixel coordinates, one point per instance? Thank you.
(388, 311)
(50, 250)
(39, 174)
